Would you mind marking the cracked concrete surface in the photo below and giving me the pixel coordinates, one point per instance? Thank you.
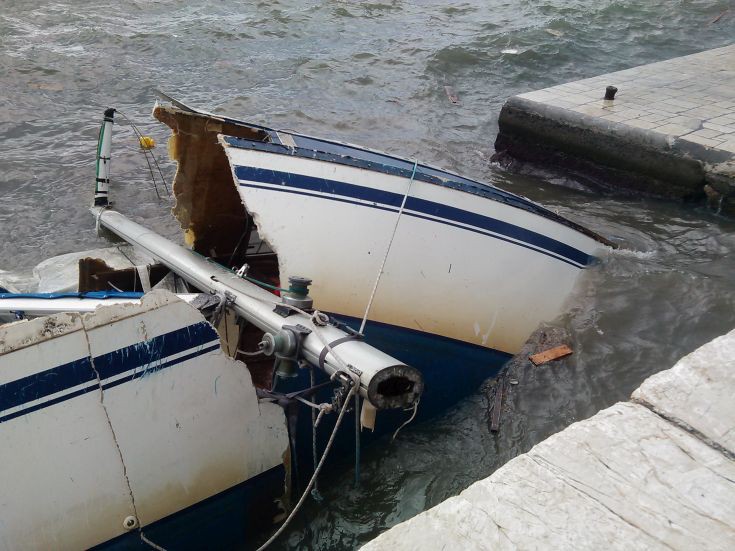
(697, 393)
(654, 473)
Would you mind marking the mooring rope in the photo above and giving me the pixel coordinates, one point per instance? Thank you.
(315, 492)
(415, 409)
(151, 544)
(387, 251)
(316, 471)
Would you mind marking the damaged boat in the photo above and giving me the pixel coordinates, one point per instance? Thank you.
(446, 273)
(119, 426)
(196, 390)
(146, 430)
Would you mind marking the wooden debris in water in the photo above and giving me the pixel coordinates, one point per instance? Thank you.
(551, 354)
(717, 18)
(497, 406)
(500, 394)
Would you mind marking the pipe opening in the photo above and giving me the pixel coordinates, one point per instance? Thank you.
(395, 386)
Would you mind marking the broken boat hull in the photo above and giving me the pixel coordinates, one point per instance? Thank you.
(461, 266)
(470, 270)
(128, 417)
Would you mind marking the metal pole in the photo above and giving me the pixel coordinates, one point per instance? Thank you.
(104, 147)
(357, 439)
(256, 305)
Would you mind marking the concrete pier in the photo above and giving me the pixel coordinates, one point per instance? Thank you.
(657, 472)
(669, 131)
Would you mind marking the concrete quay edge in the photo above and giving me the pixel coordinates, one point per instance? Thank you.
(669, 132)
(654, 473)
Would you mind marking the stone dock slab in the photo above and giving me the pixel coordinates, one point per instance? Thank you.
(670, 131)
(657, 472)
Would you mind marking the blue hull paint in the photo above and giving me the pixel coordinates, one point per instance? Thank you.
(234, 518)
(451, 369)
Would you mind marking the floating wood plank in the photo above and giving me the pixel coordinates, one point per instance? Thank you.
(551, 354)
(716, 19)
(451, 94)
(497, 406)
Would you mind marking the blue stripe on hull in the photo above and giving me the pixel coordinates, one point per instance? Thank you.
(40, 385)
(341, 154)
(146, 355)
(151, 352)
(386, 200)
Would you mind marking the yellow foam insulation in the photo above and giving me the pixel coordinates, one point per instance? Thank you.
(207, 206)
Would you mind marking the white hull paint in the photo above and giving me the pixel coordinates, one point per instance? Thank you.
(131, 411)
(443, 276)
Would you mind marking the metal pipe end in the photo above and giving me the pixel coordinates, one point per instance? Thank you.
(399, 386)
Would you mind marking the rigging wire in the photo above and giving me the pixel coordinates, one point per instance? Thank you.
(146, 154)
(387, 251)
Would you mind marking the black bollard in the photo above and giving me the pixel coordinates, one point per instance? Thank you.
(610, 92)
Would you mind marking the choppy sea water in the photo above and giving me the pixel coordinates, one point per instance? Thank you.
(374, 73)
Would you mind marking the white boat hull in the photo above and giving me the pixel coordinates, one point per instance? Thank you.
(460, 266)
(132, 412)
(470, 273)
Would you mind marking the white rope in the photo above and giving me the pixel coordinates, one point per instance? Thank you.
(246, 353)
(387, 251)
(316, 472)
(150, 543)
(415, 409)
